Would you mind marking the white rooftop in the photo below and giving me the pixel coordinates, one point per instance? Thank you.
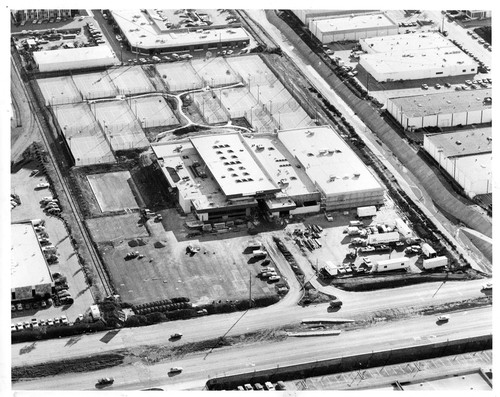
(233, 165)
(329, 161)
(354, 22)
(406, 42)
(28, 265)
(144, 32)
(75, 55)
(281, 165)
(397, 61)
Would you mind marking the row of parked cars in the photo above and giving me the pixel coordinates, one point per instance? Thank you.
(479, 40)
(34, 323)
(95, 33)
(267, 386)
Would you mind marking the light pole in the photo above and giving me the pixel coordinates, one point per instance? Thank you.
(271, 107)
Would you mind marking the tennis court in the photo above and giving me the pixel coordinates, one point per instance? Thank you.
(130, 80)
(90, 148)
(120, 126)
(179, 76)
(209, 106)
(153, 112)
(59, 90)
(76, 116)
(112, 191)
(215, 72)
(253, 70)
(95, 85)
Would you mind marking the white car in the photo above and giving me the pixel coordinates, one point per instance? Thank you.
(443, 318)
(328, 217)
(175, 370)
(43, 185)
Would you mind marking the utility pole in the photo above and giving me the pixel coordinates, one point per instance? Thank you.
(250, 290)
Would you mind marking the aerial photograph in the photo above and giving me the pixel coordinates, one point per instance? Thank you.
(283, 200)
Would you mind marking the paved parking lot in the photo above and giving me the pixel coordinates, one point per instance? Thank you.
(23, 185)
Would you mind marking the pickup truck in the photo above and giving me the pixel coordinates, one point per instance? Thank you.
(335, 303)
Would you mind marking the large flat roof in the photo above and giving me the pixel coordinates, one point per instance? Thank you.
(463, 143)
(354, 22)
(281, 165)
(28, 265)
(407, 42)
(234, 167)
(444, 102)
(329, 161)
(75, 55)
(144, 32)
(418, 60)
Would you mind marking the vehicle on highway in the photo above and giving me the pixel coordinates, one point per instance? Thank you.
(43, 185)
(175, 370)
(425, 87)
(176, 335)
(488, 286)
(444, 318)
(105, 381)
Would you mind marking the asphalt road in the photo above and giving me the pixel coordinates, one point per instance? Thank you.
(198, 368)
(356, 304)
(315, 69)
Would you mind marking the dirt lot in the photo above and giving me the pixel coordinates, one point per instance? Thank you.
(219, 271)
(119, 227)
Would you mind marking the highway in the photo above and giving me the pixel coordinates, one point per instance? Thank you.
(197, 369)
(356, 305)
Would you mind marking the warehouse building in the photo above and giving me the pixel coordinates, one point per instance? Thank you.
(352, 27)
(446, 109)
(75, 58)
(227, 176)
(406, 42)
(306, 16)
(466, 156)
(30, 275)
(343, 180)
(153, 31)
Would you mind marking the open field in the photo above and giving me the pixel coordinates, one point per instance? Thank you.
(215, 71)
(219, 271)
(118, 227)
(85, 139)
(112, 191)
(120, 125)
(59, 90)
(130, 80)
(179, 76)
(153, 112)
(95, 85)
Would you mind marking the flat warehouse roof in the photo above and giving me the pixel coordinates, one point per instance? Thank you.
(411, 61)
(407, 42)
(463, 143)
(354, 22)
(28, 265)
(141, 31)
(232, 164)
(76, 55)
(443, 103)
(329, 161)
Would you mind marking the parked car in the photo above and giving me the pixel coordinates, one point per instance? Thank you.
(328, 217)
(248, 386)
(19, 306)
(258, 386)
(174, 370)
(176, 335)
(425, 87)
(443, 318)
(34, 172)
(437, 86)
(42, 185)
(105, 381)
(269, 386)
(274, 278)
(13, 328)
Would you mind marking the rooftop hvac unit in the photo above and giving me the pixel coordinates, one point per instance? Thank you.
(332, 178)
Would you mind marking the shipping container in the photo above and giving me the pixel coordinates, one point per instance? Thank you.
(439, 261)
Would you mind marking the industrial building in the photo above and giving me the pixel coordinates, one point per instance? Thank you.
(444, 109)
(30, 275)
(75, 58)
(478, 14)
(306, 16)
(466, 156)
(300, 171)
(352, 27)
(406, 42)
(154, 31)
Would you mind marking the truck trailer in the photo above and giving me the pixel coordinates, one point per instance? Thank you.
(391, 264)
(439, 261)
(383, 238)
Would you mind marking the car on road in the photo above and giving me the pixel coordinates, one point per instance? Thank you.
(443, 318)
(176, 335)
(335, 303)
(118, 37)
(328, 217)
(105, 381)
(43, 185)
(175, 370)
(425, 87)
(486, 287)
